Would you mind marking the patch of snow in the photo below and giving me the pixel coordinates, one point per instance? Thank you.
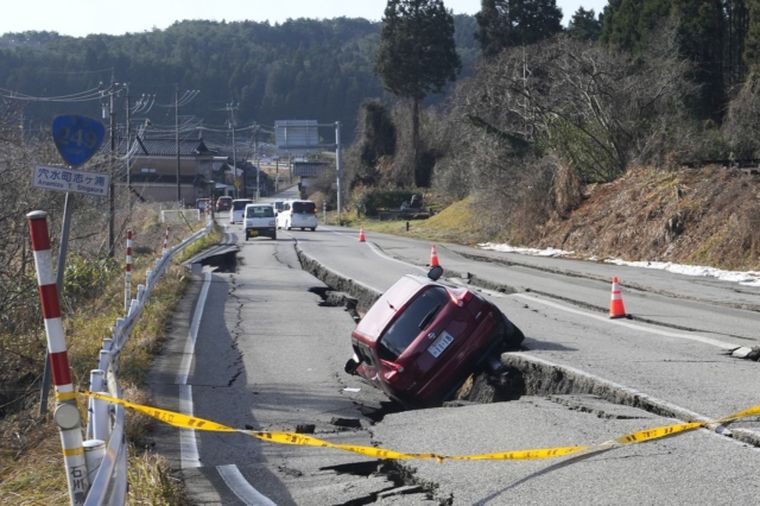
(746, 278)
(506, 248)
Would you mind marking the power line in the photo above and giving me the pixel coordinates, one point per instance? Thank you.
(81, 96)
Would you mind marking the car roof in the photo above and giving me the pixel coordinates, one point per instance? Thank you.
(385, 308)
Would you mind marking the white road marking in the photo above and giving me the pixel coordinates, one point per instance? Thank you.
(241, 487)
(188, 443)
(192, 335)
(724, 345)
(381, 254)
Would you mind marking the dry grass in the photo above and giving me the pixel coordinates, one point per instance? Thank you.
(708, 216)
(31, 465)
(456, 223)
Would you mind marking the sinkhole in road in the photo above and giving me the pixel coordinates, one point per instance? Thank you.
(484, 385)
(519, 375)
(400, 481)
(223, 262)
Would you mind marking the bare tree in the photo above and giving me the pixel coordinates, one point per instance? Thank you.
(597, 109)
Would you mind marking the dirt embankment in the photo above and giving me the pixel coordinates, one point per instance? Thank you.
(708, 216)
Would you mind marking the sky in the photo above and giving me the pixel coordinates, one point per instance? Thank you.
(82, 17)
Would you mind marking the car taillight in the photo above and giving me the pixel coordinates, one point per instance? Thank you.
(392, 374)
(461, 300)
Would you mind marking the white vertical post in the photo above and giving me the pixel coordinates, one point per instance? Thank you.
(66, 414)
(101, 427)
(128, 273)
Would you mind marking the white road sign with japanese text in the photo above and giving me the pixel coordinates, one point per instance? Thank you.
(68, 180)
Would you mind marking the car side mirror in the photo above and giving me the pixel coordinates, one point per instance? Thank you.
(435, 272)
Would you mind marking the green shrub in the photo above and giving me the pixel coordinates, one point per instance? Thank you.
(84, 277)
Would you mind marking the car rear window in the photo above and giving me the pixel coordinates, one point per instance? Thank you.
(239, 205)
(304, 207)
(260, 212)
(417, 316)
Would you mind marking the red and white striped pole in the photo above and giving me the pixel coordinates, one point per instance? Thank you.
(66, 412)
(166, 241)
(128, 274)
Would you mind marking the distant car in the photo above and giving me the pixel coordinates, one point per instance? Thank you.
(237, 208)
(298, 214)
(422, 338)
(259, 220)
(223, 203)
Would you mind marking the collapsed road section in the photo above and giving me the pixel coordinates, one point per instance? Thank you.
(525, 374)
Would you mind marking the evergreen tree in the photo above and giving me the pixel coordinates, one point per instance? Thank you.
(493, 27)
(417, 56)
(700, 40)
(752, 42)
(737, 21)
(584, 25)
(700, 28)
(507, 23)
(626, 24)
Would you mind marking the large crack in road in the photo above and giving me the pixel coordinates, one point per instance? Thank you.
(528, 375)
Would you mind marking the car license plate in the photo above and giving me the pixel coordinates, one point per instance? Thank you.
(440, 344)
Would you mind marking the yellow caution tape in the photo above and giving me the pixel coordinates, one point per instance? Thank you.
(293, 438)
(73, 452)
(65, 396)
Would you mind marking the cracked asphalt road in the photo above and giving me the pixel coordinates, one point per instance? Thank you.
(270, 357)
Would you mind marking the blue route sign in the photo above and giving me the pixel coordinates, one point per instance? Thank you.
(77, 137)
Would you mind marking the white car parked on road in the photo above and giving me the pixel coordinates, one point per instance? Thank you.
(298, 214)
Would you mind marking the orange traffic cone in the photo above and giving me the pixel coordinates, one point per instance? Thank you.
(433, 257)
(361, 235)
(616, 300)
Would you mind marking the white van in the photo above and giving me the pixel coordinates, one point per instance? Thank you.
(237, 209)
(259, 220)
(298, 214)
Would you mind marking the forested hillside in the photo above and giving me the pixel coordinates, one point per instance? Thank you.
(305, 69)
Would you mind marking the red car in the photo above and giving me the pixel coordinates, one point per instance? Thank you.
(422, 338)
(223, 203)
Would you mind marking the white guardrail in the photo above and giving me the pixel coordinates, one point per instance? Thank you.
(106, 445)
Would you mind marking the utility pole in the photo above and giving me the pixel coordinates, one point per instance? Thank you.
(256, 160)
(111, 186)
(176, 141)
(127, 150)
(231, 108)
(338, 168)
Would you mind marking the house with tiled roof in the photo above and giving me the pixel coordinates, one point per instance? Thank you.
(203, 171)
(156, 163)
